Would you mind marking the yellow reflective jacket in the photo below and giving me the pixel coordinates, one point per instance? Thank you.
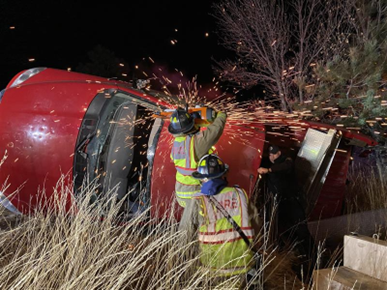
(183, 156)
(224, 251)
(186, 152)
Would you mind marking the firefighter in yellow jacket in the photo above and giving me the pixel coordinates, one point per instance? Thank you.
(189, 146)
(224, 249)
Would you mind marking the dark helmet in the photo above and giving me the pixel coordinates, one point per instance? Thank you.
(210, 166)
(181, 122)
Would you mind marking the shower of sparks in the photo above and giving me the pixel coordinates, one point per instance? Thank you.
(250, 117)
(248, 123)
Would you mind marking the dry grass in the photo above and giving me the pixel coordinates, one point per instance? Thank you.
(74, 249)
(59, 248)
(65, 251)
(366, 191)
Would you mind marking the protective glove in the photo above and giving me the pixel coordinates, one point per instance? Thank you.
(221, 114)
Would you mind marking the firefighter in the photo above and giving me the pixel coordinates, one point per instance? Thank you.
(282, 183)
(225, 251)
(189, 146)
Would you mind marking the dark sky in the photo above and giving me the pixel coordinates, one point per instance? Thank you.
(59, 34)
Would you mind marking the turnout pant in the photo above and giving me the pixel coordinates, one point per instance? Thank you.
(189, 221)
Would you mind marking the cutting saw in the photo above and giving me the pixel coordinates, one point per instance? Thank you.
(204, 116)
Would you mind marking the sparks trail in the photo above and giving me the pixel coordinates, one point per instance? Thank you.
(249, 115)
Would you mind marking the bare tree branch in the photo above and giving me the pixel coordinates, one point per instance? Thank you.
(277, 43)
(258, 33)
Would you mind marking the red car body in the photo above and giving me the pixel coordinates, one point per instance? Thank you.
(52, 120)
(40, 129)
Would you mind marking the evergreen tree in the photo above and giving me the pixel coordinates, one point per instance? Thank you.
(351, 88)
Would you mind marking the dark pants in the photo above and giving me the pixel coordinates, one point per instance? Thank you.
(293, 225)
(293, 228)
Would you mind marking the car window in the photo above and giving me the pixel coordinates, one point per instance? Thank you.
(2, 94)
(114, 150)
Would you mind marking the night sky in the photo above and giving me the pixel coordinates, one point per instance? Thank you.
(58, 34)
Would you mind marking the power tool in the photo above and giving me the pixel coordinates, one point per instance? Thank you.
(204, 116)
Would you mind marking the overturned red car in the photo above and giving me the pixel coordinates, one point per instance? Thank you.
(55, 123)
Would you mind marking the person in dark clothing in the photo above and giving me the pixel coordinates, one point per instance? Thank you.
(282, 183)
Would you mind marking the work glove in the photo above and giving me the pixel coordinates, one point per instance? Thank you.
(221, 114)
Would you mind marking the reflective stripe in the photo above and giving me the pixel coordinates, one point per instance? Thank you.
(183, 156)
(225, 231)
(178, 150)
(222, 247)
(242, 196)
(181, 181)
(217, 238)
(185, 171)
(231, 271)
(186, 180)
(186, 194)
(234, 201)
(187, 152)
(227, 271)
(227, 258)
(183, 190)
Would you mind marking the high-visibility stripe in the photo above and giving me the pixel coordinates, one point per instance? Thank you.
(182, 187)
(243, 203)
(186, 194)
(186, 168)
(242, 206)
(194, 163)
(183, 155)
(237, 238)
(228, 269)
(232, 271)
(225, 231)
(224, 237)
(185, 171)
(184, 180)
(225, 241)
(187, 152)
(186, 184)
(178, 150)
(221, 245)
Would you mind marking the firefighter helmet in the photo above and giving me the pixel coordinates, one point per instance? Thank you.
(181, 122)
(210, 166)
